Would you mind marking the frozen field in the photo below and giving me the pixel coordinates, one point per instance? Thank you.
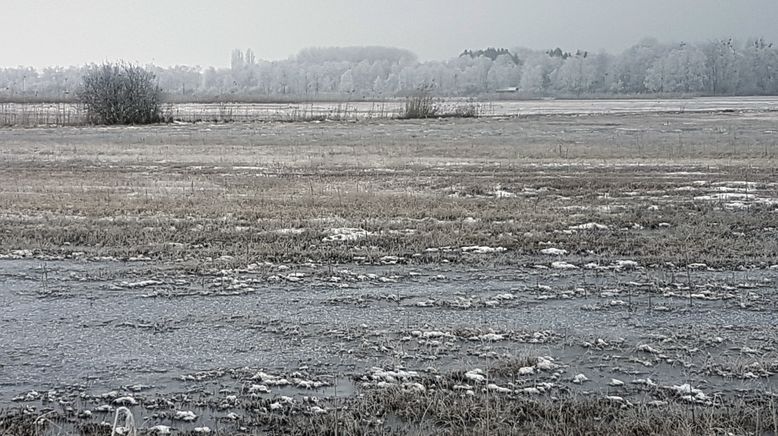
(615, 272)
(71, 114)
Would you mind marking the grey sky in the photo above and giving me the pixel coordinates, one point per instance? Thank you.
(203, 32)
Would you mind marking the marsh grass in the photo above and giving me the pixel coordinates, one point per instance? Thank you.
(398, 411)
(446, 413)
(422, 105)
(198, 193)
(241, 217)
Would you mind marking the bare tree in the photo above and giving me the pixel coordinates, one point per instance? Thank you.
(121, 93)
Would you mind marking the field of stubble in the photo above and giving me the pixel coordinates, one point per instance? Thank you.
(554, 275)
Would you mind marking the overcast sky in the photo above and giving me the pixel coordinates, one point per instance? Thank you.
(203, 32)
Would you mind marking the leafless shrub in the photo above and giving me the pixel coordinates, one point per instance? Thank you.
(121, 93)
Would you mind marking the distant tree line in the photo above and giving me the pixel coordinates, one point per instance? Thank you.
(491, 53)
(718, 67)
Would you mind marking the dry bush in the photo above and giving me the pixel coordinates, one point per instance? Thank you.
(121, 93)
(420, 105)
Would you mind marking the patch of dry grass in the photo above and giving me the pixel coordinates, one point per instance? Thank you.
(199, 192)
(399, 411)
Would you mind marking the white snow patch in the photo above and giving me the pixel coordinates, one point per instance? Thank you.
(187, 416)
(725, 196)
(289, 231)
(140, 284)
(500, 193)
(345, 234)
(563, 265)
(690, 394)
(259, 389)
(125, 401)
(483, 250)
(271, 380)
(580, 378)
(626, 264)
(589, 226)
(495, 388)
(554, 252)
(488, 337)
(648, 349)
(476, 375)
(644, 381)
(546, 363)
(504, 297)
(379, 374)
(431, 334)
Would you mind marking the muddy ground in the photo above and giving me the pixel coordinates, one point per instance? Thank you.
(610, 274)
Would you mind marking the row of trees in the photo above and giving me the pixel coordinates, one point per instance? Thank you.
(720, 67)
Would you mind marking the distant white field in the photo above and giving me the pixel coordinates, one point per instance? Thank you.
(361, 110)
(71, 114)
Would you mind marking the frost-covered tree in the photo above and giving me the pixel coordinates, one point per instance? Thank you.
(536, 77)
(237, 61)
(758, 68)
(680, 70)
(577, 75)
(346, 82)
(629, 72)
(505, 72)
(720, 67)
(721, 62)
